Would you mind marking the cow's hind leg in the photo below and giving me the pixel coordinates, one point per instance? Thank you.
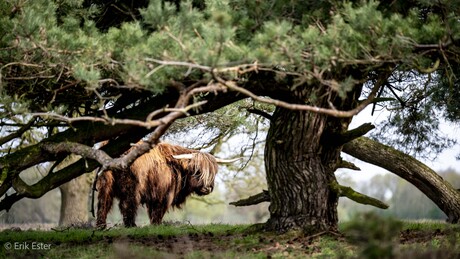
(129, 199)
(128, 208)
(105, 197)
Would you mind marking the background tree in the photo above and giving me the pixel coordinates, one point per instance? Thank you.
(44, 210)
(74, 201)
(84, 73)
(74, 197)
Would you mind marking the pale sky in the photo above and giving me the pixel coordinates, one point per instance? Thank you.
(444, 160)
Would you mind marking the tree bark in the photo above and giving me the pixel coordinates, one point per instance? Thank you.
(299, 172)
(446, 197)
(74, 201)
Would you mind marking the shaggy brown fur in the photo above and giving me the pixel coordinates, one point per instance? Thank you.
(157, 180)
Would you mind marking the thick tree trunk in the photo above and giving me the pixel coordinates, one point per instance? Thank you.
(74, 201)
(300, 169)
(446, 197)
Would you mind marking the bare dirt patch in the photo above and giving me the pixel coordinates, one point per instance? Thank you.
(422, 236)
(265, 243)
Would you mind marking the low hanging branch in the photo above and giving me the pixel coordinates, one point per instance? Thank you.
(77, 148)
(161, 125)
(105, 160)
(54, 148)
(56, 179)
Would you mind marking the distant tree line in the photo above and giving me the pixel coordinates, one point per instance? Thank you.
(406, 201)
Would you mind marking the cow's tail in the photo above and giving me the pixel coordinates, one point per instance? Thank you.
(98, 172)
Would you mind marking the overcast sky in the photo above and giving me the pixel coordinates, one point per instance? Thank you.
(444, 160)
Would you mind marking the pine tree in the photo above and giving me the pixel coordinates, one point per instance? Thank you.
(81, 72)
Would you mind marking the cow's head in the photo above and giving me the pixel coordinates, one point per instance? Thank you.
(201, 170)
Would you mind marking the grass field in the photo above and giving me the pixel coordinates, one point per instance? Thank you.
(369, 237)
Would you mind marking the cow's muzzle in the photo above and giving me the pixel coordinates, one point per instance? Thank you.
(205, 190)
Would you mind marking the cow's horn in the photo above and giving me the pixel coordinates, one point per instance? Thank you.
(224, 161)
(184, 156)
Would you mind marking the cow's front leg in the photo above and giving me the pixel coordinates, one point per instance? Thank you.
(156, 211)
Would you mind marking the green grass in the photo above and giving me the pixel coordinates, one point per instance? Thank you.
(238, 241)
(72, 235)
(426, 225)
(82, 243)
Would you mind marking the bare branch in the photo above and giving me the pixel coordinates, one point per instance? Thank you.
(18, 132)
(440, 45)
(254, 67)
(342, 191)
(253, 200)
(348, 165)
(79, 149)
(112, 121)
(303, 107)
(345, 191)
(239, 68)
(35, 125)
(167, 120)
(17, 63)
(123, 162)
(347, 136)
(260, 112)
